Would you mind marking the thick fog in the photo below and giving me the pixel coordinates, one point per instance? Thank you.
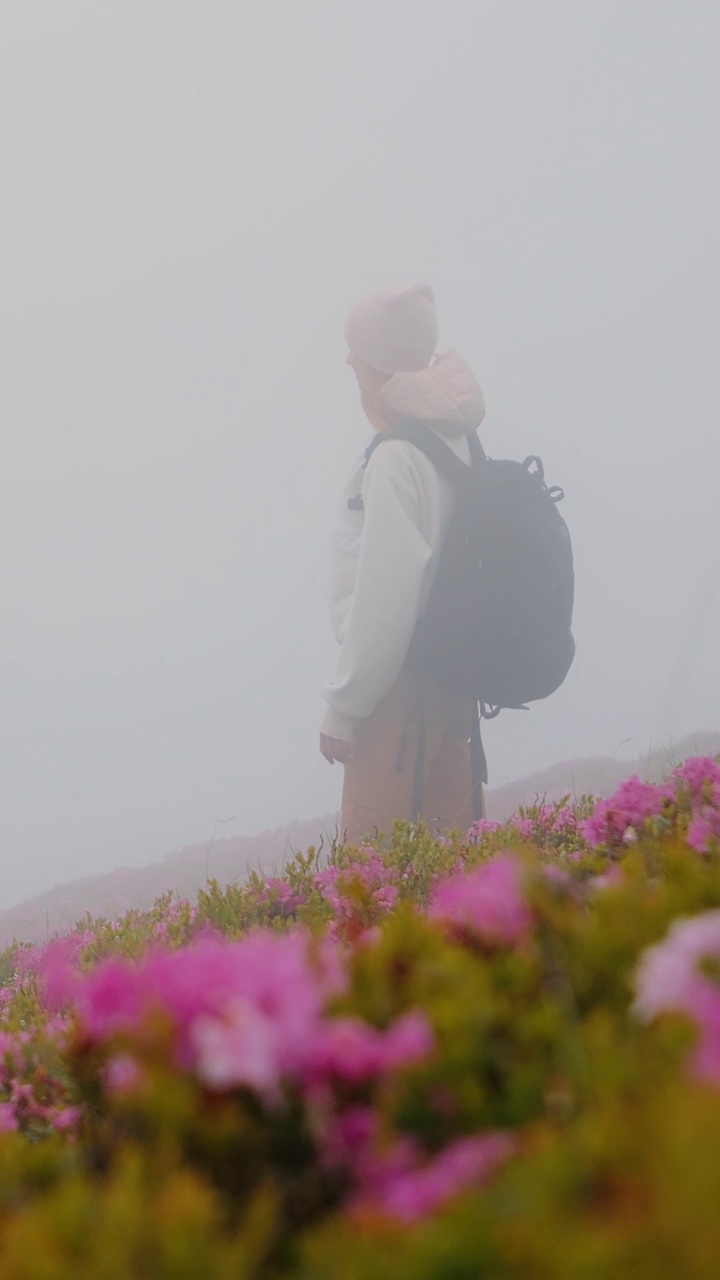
(192, 196)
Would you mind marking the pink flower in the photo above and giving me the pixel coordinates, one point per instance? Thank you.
(346, 1049)
(407, 1041)
(111, 999)
(365, 884)
(354, 1052)
(565, 819)
(698, 787)
(609, 879)
(669, 978)
(386, 896)
(701, 774)
(281, 892)
(122, 1074)
(482, 827)
(326, 882)
(555, 874)
(66, 1118)
(240, 1013)
(57, 967)
(8, 1123)
(668, 974)
(348, 1134)
(411, 1194)
(700, 833)
(487, 902)
(239, 1049)
(524, 827)
(26, 958)
(631, 805)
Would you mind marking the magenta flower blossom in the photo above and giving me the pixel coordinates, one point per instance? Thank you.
(697, 781)
(631, 805)
(701, 831)
(122, 1074)
(609, 879)
(364, 883)
(487, 902)
(8, 1123)
(693, 788)
(280, 892)
(701, 774)
(65, 1119)
(482, 827)
(347, 1137)
(248, 1014)
(112, 998)
(555, 874)
(34, 1100)
(524, 827)
(239, 1049)
(670, 979)
(565, 819)
(412, 1193)
(57, 969)
(220, 999)
(349, 1050)
(546, 822)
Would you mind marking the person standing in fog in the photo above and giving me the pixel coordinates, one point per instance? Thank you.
(402, 737)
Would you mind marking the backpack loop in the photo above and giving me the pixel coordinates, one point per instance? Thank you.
(539, 470)
(488, 712)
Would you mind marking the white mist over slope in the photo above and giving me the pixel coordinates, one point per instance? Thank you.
(193, 194)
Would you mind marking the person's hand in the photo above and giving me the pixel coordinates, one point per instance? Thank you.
(335, 749)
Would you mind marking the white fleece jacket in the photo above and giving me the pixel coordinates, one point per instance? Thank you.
(384, 557)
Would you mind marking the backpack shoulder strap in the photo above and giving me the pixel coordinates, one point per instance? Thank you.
(443, 458)
(477, 454)
(376, 440)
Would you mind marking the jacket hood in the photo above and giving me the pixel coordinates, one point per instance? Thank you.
(447, 396)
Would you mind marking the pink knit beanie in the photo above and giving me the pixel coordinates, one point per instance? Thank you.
(395, 332)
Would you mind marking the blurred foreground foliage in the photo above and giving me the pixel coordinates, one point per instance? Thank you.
(493, 1055)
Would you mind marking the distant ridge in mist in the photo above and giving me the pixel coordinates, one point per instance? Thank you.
(112, 893)
(597, 775)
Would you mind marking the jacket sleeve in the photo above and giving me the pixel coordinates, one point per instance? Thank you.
(394, 557)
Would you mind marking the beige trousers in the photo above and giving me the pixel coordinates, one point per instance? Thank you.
(416, 741)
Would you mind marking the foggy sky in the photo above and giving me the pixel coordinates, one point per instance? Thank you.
(192, 195)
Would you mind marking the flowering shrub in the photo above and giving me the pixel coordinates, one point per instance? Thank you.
(493, 1054)
(34, 1090)
(681, 974)
(689, 802)
(487, 903)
